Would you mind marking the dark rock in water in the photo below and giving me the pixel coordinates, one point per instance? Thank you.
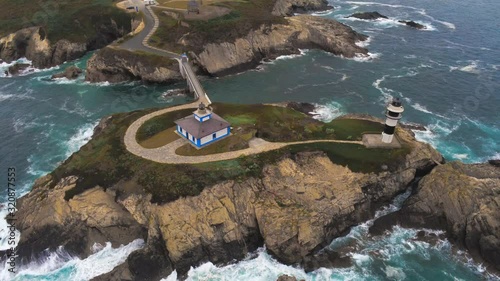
(285, 277)
(304, 107)
(414, 126)
(413, 24)
(177, 92)
(327, 259)
(17, 68)
(494, 162)
(71, 72)
(368, 16)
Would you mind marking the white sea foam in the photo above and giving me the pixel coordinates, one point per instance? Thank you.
(421, 108)
(471, 67)
(445, 23)
(80, 138)
(461, 156)
(327, 112)
(286, 57)
(323, 13)
(364, 44)
(61, 265)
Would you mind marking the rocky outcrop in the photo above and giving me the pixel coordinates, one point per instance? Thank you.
(16, 69)
(118, 65)
(413, 24)
(464, 200)
(285, 277)
(34, 44)
(290, 7)
(268, 42)
(47, 220)
(71, 72)
(368, 16)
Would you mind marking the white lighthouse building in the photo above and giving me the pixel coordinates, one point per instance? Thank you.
(393, 114)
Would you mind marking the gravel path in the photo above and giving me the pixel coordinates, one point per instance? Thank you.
(166, 154)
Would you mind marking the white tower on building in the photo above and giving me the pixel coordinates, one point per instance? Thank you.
(393, 114)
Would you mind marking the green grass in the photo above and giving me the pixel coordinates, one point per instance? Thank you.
(244, 17)
(162, 138)
(233, 142)
(77, 21)
(272, 123)
(104, 161)
(353, 129)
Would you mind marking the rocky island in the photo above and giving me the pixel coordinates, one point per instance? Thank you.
(293, 200)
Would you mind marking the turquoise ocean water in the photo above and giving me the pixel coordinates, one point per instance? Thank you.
(447, 77)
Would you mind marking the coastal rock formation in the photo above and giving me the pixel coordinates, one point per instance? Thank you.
(295, 208)
(368, 16)
(285, 277)
(16, 69)
(413, 24)
(48, 220)
(290, 7)
(71, 72)
(464, 200)
(268, 42)
(34, 44)
(118, 65)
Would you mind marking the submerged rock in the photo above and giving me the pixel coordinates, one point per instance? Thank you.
(413, 24)
(368, 16)
(71, 72)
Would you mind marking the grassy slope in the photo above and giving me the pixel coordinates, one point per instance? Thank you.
(104, 161)
(62, 19)
(244, 16)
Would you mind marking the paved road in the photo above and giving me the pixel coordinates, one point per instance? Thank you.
(140, 41)
(166, 154)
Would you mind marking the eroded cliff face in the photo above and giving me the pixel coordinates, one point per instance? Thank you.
(269, 42)
(33, 44)
(296, 208)
(118, 65)
(290, 7)
(464, 200)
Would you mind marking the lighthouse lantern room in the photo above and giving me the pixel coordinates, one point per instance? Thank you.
(394, 113)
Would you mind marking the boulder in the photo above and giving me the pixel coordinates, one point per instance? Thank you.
(285, 277)
(304, 107)
(16, 69)
(71, 72)
(368, 16)
(413, 24)
(494, 162)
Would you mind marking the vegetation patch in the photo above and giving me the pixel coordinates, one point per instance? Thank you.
(244, 16)
(77, 21)
(162, 138)
(233, 142)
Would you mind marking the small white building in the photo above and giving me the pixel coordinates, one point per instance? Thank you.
(203, 127)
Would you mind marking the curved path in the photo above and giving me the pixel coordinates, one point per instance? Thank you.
(166, 154)
(140, 41)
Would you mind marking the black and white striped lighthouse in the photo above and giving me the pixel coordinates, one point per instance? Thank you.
(393, 114)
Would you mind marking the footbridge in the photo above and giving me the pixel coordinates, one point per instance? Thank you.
(192, 80)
